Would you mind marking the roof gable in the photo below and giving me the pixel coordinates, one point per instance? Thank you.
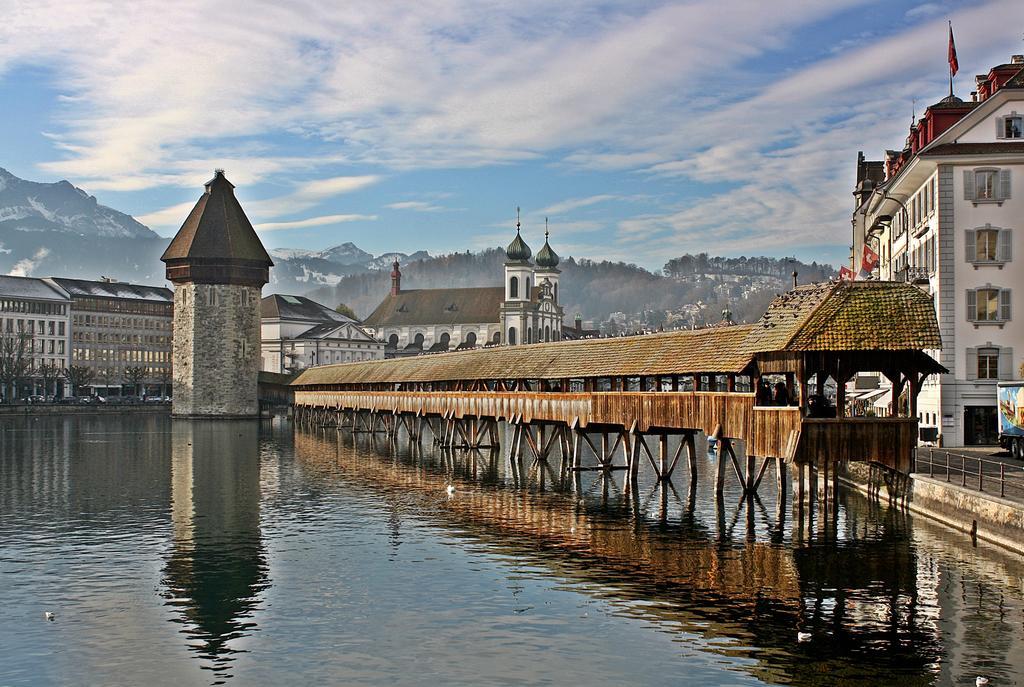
(422, 307)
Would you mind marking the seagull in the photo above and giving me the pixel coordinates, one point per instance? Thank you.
(981, 681)
(450, 489)
(803, 636)
(51, 617)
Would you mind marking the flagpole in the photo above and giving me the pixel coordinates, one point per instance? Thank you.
(950, 62)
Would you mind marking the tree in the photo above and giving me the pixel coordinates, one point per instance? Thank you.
(49, 373)
(79, 376)
(135, 375)
(15, 361)
(343, 309)
(107, 375)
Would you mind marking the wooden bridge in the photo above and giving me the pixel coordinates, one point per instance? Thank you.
(758, 387)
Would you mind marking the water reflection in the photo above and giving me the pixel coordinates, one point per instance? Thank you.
(728, 570)
(217, 566)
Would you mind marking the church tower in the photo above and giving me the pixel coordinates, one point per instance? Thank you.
(516, 324)
(218, 267)
(549, 312)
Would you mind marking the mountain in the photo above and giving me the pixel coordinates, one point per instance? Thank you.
(297, 270)
(59, 229)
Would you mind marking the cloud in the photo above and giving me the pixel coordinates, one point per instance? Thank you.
(313, 222)
(25, 267)
(924, 10)
(416, 206)
(574, 204)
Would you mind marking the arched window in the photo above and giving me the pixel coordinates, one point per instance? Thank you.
(446, 340)
(528, 295)
(471, 339)
(418, 341)
(393, 341)
(529, 335)
(497, 337)
(547, 332)
(512, 334)
(513, 287)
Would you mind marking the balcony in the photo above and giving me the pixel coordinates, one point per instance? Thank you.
(914, 275)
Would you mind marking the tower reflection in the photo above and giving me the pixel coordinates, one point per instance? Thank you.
(217, 567)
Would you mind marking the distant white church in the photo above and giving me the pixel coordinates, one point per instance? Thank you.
(525, 310)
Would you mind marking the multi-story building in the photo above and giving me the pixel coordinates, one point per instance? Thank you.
(524, 310)
(34, 328)
(298, 333)
(944, 213)
(122, 333)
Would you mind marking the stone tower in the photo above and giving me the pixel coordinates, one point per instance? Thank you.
(218, 267)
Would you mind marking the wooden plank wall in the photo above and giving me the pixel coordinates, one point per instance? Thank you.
(888, 441)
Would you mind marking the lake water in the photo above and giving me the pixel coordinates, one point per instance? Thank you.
(196, 553)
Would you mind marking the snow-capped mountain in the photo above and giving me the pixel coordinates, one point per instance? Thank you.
(32, 206)
(297, 270)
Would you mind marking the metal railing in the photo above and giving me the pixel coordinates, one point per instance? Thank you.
(973, 472)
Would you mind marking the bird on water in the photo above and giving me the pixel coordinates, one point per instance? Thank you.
(981, 681)
(803, 636)
(49, 615)
(450, 489)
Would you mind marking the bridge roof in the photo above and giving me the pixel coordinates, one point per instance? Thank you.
(831, 316)
(719, 349)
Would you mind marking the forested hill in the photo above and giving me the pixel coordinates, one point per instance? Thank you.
(693, 289)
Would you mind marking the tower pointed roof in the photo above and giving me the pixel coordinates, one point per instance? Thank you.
(217, 235)
(518, 251)
(546, 257)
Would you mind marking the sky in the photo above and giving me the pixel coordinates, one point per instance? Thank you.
(641, 129)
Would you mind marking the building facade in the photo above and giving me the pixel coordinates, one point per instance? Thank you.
(945, 213)
(121, 333)
(298, 333)
(35, 337)
(218, 267)
(525, 309)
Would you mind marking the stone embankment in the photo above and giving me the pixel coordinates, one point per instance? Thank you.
(41, 409)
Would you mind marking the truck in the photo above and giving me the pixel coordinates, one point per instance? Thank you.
(1011, 417)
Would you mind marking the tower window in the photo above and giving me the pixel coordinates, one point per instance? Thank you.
(512, 335)
(513, 287)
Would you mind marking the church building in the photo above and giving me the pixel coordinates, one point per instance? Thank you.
(524, 309)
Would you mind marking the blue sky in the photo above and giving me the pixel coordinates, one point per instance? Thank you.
(643, 129)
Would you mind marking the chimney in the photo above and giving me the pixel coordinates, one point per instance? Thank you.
(1017, 59)
(396, 279)
(794, 279)
(578, 323)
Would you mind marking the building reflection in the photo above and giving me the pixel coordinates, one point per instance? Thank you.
(217, 567)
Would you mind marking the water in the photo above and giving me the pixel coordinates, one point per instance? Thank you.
(235, 553)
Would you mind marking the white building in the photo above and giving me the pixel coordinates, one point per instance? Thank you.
(35, 327)
(298, 333)
(524, 310)
(946, 213)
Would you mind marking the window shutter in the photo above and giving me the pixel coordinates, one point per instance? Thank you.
(1005, 251)
(972, 305)
(972, 363)
(968, 184)
(1006, 362)
(1004, 184)
(1000, 127)
(971, 245)
(1004, 304)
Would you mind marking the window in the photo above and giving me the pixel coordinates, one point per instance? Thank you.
(988, 304)
(988, 363)
(513, 287)
(986, 185)
(1010, 126)
(512, 336)
(989, 244)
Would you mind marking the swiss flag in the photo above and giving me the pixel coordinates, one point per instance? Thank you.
(846, 274)
(868, 260)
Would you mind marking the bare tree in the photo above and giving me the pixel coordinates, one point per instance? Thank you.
(15, 361)
(79, 376)
(49, 373)
(135, 375)
(107, 375)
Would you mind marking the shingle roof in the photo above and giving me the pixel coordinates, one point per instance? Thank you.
(830, 316)
(438, 306)
(217, 228)
(848, 315)
(287, 307)
(717, 350)
(107, 289)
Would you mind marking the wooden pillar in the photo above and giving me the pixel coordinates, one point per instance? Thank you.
(662, 456)
(691, 457)
(751, 484)
(731, 383)
(720, 469)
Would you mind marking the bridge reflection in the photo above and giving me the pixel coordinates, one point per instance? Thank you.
(734, 583)
(217, 568)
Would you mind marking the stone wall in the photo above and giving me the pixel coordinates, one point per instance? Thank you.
(216, 350)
